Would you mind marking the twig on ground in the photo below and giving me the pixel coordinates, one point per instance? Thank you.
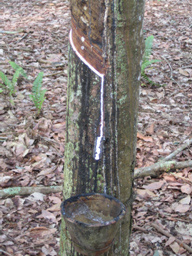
(10, 32)
(177, 176)
(48, 141)
(24, 50)
(23, 37)
(187, 67)
(23, 191)
(178, 150)
(56, 74)
(164, 164)
(166, 233)
(6, 252)
(52, 143)
(4, 63)
(171, 70)
(44, 61)
(3, 138)
(140, 228)
(155, 169)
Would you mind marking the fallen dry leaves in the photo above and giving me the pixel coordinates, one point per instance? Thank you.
(31, 148)
(165, 122)
(169, 202)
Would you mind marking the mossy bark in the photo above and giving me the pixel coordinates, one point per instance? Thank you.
(115, 28)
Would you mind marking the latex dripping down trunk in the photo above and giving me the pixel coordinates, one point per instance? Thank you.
(92, 58)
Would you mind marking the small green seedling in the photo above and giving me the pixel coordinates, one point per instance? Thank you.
(38, 94)
(10, 85)
(146, 57)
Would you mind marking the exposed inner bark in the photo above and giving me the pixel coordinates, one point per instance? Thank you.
(89, 16)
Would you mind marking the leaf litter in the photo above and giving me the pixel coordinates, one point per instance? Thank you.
(31, 148)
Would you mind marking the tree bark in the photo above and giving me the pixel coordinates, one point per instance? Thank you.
(103, 87)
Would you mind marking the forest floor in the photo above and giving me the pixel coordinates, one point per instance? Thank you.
(32, 146)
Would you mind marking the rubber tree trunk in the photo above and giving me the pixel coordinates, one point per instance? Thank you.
(105, 56)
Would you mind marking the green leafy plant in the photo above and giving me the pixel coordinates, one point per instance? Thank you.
(38, 95)
(146, 57)
(9, 85)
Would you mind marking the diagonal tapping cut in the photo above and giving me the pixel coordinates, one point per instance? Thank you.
(98, 147)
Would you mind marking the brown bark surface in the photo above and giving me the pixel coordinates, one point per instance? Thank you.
(114, 29)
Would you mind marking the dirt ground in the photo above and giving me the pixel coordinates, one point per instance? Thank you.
(32, 147)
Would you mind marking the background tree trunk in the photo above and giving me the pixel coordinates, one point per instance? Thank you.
(108, 34)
